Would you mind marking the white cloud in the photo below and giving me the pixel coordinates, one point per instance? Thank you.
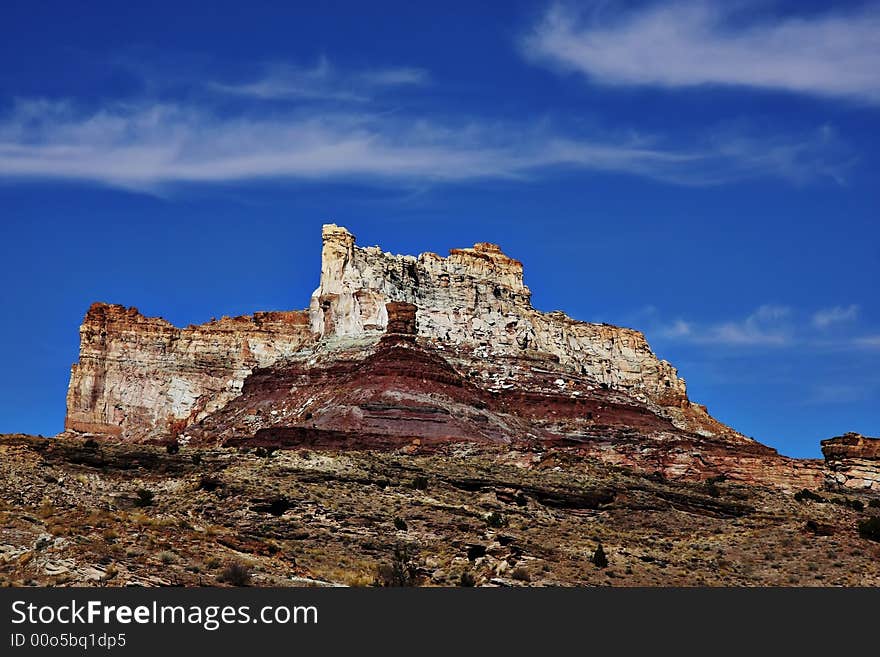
(826, 317)
(770, 325)
(767, 326)
(868, 341)
(763, 327)
(147, 144)
(322, 82)
(682, 44)
(677, 329)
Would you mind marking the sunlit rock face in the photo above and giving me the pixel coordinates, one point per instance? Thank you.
(852, 461)
(477, 296)
(141, 377)
(407, 352)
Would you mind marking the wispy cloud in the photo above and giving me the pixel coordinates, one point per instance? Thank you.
(767, 326)
(868, 342)
(677, 329)
(146, 144)
(683, 44)
(835, 393)
(827, 317)
(323, 81)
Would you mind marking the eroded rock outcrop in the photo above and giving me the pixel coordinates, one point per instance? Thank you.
(852, 461)
(476, 296)
(408, 351)
(141, 377)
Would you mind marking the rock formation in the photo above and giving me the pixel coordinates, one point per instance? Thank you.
(410, 352)
(140, 377)
(852, 461)
(477, 297)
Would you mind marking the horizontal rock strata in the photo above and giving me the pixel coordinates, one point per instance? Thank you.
(413, 352)
(852, 461)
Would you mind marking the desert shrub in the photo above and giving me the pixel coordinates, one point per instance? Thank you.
(145, 497)
(209, 483)
(467, 579)
(874, 503)
(276, 506)
(496, 519)
(402, 571)
(856, 505)
(47, 508)
(196, 459)
(807, 494)
(521, 575)
(235, 574)
(167, 557)
(599, 559)
(420, 482)
(90, 443)
(172, 448)
(819, 529)
(712, 485)
(474, 552)
(870, 528)
(400, 524)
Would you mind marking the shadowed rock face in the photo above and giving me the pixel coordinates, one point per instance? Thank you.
(409, 352)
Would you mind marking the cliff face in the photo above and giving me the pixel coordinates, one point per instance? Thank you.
(477, 297)
(852, 461)
(407, 351)
(141, 377)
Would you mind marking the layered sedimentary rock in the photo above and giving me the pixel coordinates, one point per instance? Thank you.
(852, 461)
(414, 393)
(141, 377)
(477, 297)
(407, 351)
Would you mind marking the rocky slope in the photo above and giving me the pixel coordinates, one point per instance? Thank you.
(117, 513)
(419, 424)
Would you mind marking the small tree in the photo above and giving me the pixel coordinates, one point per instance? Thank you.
(402, 571)
(236, 574)
(144, 497)
(599, 558)
(496, 520)
(870, 528)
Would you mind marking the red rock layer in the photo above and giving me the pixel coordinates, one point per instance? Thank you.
(852, 461)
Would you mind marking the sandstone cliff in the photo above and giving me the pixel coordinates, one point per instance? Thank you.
(477, 297)
(140, 377)
(407, 351)
(852, 461)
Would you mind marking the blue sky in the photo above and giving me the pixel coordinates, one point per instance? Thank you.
(706, 172)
